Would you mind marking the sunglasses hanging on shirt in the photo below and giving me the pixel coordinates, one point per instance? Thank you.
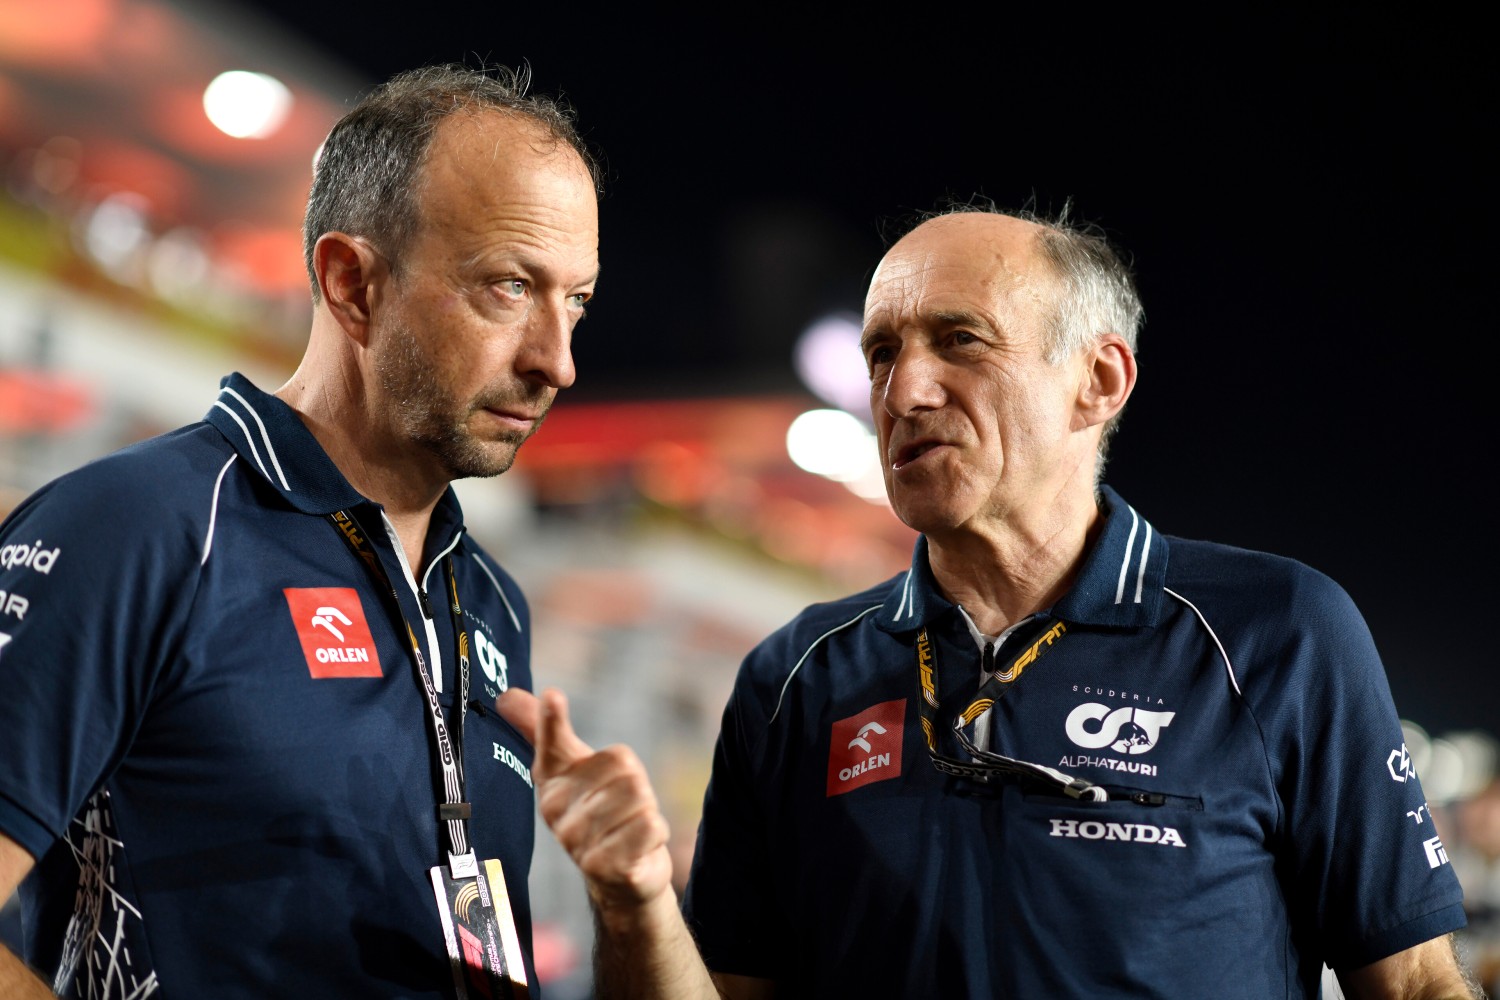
(986, 765)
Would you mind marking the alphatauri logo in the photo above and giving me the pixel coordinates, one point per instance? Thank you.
(333, 630)
(866, 747)
(492, 663)
(1125, 730)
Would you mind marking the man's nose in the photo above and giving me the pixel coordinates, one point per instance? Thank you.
(547, 355)
(914, 382)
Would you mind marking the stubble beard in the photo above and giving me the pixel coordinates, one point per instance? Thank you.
(429, 416)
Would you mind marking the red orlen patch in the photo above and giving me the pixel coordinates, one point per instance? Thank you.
(866, 747)
(335, 636)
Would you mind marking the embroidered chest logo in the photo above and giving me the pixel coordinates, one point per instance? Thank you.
(335, 635)
(866, 747)
(1126, 730)
(493, 664)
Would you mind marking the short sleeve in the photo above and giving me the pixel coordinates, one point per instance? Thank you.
(90, 570)
(1368, 870)
(728, 903)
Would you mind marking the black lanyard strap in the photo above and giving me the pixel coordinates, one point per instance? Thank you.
(453, 811)
(985, 765)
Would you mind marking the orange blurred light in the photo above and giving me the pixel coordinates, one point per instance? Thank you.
(58, 34)
(34, 402)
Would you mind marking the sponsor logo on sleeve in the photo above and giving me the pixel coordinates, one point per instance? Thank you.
(1417, 814)
(35, 556)
(1437, 856)
(334, 632)
(866, 747)
(1398, 763)
(4, 640)
(13, 604)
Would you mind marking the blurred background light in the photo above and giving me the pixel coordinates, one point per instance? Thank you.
(117, 232)
(178, 265)
(828, 362)
(832, 444)
(247, 105)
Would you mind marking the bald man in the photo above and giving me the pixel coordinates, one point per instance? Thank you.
(1062, 755)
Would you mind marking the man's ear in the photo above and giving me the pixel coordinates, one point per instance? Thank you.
(346, 267)
(1107, 380)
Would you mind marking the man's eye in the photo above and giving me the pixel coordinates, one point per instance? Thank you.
(962, 338)
(514, 287)
(880, 355)
(579, 300)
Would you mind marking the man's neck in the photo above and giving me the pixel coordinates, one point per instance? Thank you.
(407, 488)
(1012, 571)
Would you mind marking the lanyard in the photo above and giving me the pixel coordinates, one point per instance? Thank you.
(453, 811)
(986, 764)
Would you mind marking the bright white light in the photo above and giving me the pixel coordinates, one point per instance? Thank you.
(247, 105)
(830, 443)
(828, 362)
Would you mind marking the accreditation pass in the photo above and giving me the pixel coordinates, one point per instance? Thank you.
(483, 946)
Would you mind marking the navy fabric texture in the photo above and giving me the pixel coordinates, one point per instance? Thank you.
(215, 810)
(1263, 815)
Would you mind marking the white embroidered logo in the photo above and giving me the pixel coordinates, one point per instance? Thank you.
(1124, 730)
(1400, 766)
(860, 741)
(1139, 833)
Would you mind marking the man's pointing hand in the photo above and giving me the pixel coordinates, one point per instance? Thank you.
(598, 803)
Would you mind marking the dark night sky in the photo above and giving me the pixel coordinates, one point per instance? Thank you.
(1304, 195)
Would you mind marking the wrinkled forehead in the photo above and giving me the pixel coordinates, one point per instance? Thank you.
(970, 261)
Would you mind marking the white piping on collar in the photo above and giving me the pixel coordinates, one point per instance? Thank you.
(905, 599)
(264, 436)
(1140, 576)
(1135, 523)
(254, 452)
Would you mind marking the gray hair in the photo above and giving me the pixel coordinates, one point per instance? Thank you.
(365, 177)
(1096, 295)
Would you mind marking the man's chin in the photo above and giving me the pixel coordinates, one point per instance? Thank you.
(485, 466)
(468, 458)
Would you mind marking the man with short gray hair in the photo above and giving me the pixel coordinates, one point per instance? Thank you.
(246, 742)
(1060, 755)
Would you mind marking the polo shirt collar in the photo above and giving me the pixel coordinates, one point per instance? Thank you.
(1120, 584)
(272, 439)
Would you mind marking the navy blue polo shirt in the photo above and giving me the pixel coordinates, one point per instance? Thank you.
(1263, 815)
(212, 734)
